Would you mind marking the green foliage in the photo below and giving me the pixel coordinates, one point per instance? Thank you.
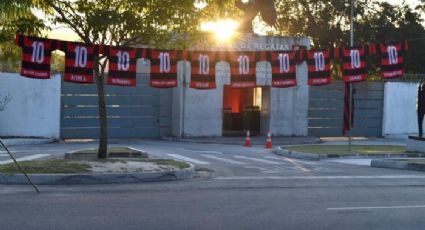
(16, 17)
(327, 23)
(122, 22)
(47, 167)
(343, 149)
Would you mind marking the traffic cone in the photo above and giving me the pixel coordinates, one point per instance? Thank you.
(247, 140)
(269, 144)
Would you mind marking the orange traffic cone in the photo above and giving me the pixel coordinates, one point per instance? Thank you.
(269, 144)
(247, 140)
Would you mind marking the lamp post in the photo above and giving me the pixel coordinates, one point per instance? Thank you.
(351, 92)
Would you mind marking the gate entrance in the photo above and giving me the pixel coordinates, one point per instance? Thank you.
(241, 111)
(133, 112)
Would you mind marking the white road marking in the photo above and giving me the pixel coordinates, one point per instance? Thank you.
(4, 154)
(27, 158)
(273, 157)
(361, 162)
(191, 160)
(320, 177)
(297, 164)
(375, 207)
(223, 159)
(262, 170)
(257, 159)
(201, 151)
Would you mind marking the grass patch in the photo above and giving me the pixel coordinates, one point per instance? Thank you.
(343, 149)
(110, 150)
(113, 152)
(416, 161)
(46, 167)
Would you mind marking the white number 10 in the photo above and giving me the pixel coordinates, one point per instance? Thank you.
(37, 52)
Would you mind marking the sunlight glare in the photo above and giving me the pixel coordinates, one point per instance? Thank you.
(224, 30)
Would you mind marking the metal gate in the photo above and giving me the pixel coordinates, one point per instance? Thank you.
(326, 107)
(133, 112)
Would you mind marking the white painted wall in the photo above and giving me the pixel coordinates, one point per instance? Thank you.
(197, 113)
(289, 106)
(400, 118)
(34, 110)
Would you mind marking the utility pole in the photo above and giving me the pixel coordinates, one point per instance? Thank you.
(350, 84)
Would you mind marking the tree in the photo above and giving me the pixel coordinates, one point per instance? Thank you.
(327, 24)
(162, 24)
(16, 17)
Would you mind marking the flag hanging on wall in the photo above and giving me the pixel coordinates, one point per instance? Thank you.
(354, 64)
(319, 66)
(242, 69)
(283, 68)
(392, 59)
(348, 115)
(78, 62)
(164, 67)
(203, 69)
(122, 65)
(36, 56)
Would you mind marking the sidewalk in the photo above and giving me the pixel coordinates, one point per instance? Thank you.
(26, 141)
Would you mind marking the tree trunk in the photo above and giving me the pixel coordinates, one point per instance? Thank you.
(103, 120)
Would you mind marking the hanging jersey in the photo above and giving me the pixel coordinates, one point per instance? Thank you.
(122, 66)
(354, 64)
(300, 53)
(283, 68)
(164, 67)
(392, 60)
(319, 67)
(242, 69)
(78, 62)
(203, 69)
(36, 55)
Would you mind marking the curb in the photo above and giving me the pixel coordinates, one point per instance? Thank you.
(26, 141)
(100, 178)
(396, 164)
(316, 157)
(298, 155)
(230, 141)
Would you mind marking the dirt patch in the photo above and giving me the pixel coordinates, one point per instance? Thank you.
(127, 167)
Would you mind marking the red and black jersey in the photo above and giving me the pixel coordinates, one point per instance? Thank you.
(164, 67)
(203, 69)
(36, 55)
(354, 64)
(319, 67)
(283, 68)
(243, 68)
(122, 65)
(392, 59)
(78, 62)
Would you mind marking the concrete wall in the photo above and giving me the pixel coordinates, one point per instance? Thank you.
(285, 110)
(198, 112)
(400, 118)
(34, 109)
(288, 109)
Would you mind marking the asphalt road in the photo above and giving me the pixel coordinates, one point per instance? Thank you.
(237, 188)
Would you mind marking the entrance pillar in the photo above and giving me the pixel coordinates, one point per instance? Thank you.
(196, 113)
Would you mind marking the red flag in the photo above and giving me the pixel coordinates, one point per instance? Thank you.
(346, 126)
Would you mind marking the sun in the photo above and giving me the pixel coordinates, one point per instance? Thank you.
(224, 30)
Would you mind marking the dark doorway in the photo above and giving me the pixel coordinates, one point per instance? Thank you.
(241, 111)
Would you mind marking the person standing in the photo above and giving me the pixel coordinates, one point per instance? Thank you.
(420, 106)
